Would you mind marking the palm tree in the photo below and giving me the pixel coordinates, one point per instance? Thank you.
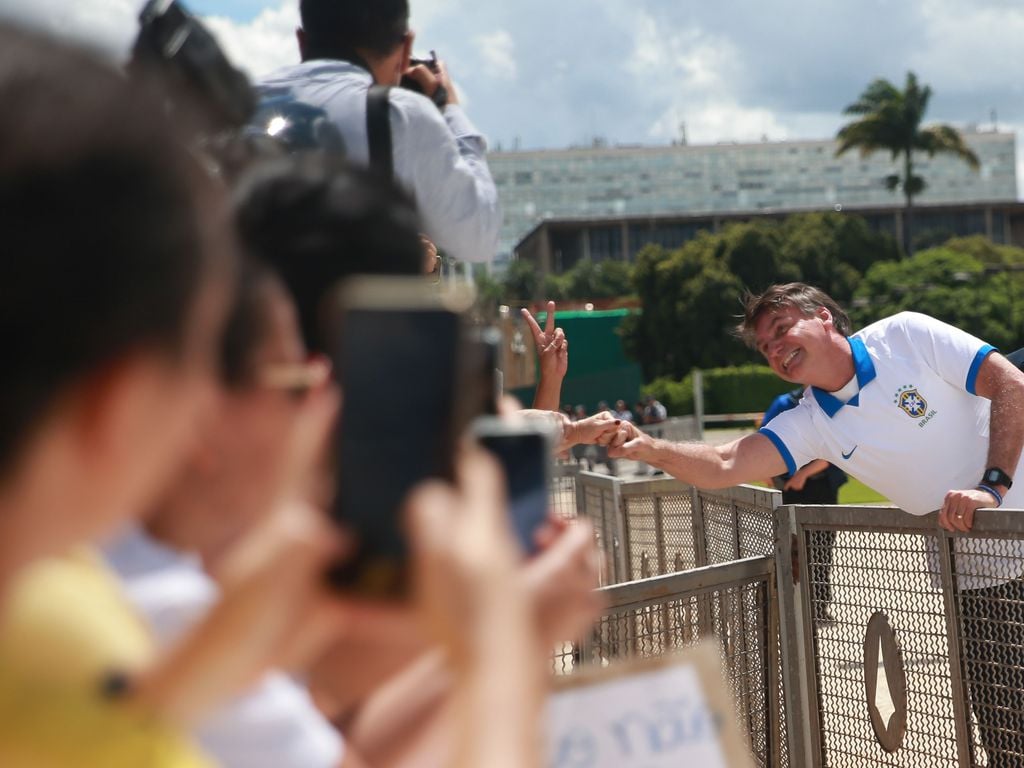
(890, 120)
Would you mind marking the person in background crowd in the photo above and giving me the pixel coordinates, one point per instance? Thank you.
(316, 225)
(654, 412)
(815, 483)
(622, 411)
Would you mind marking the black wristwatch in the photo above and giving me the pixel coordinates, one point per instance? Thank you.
(996, 476)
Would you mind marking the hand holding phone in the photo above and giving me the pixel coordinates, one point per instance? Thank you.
(524, 451)
(397, 359)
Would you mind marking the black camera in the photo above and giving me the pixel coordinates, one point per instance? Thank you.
(440, 96)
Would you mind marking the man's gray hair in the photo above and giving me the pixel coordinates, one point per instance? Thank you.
(805, 298)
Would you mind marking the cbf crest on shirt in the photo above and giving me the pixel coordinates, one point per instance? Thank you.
(910, 400)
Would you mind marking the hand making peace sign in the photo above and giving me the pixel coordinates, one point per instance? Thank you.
(552, 346)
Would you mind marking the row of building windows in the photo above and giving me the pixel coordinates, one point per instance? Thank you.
(599, 243)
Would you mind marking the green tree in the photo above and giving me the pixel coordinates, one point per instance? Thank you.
(520, 282)
(944, 283)
(832, 250)
(690, 299)
(889, 120)
(691, 296)
(598, 280)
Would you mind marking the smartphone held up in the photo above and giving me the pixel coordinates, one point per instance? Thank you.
(414, 375)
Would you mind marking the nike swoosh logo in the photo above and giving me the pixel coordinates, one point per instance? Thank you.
(848, 455)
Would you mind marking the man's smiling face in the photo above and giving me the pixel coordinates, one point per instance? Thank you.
(791, 342)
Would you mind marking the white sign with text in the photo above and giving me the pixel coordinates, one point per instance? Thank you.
(643, 716)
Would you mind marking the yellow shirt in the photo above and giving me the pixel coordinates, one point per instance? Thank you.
(65, 627)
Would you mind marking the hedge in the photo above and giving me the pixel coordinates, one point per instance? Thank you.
(737, 389)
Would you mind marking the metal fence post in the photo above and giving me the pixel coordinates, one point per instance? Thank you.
(961, 712)
(700, 542)
(772, 672)
(620, 528)
(581, 496)
(705, 621)
(797, 660)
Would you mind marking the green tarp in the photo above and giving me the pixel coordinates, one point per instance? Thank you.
(598, 367)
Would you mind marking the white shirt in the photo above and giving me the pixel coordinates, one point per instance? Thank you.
(438, 158)
(914, 430)
(275, 724)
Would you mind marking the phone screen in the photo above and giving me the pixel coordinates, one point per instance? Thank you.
(524, 457)
(397, 370)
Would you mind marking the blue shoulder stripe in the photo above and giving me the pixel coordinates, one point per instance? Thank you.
(781, 448)
(972, 374)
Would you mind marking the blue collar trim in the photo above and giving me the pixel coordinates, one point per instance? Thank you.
(863, 368)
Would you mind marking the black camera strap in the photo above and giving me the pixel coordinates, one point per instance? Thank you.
(378, 130)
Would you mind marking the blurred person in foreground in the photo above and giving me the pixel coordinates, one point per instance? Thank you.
(924, 413)
(115, 280)
(251, 453)
(314, 223)
(437, 155)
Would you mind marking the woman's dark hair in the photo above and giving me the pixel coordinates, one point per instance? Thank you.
(104, 221)
(335, 29)
(316, 222)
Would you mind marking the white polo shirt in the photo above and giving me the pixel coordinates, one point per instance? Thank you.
(914, 431)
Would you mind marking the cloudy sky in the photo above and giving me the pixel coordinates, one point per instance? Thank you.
(550, 73)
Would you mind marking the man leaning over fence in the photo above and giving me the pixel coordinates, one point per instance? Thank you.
(914, 408)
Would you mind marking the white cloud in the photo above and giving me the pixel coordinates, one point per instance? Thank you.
(970, 45)
(715, 121)
(497, 50)
(687, 60)
(107, 25)
(633, 70)
(263, 44)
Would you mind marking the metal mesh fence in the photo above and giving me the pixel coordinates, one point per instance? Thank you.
(665, 526)
(731, 602)
(598, 498)
(942, 682)
(562, 490)
(870, 572)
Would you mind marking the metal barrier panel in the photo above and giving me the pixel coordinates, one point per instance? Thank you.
(738, 522)
(599, 499)
(904, 644)
(665, 525)
(674, 526)
(735, 603)
(658, 516)
(562, 490)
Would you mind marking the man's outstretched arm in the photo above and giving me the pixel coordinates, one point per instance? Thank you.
(708, 466)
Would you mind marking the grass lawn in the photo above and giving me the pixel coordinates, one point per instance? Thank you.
(855, 492)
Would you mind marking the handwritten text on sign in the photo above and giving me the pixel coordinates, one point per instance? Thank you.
(649, 720)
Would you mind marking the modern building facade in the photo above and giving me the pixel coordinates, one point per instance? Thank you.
(630, 183)
(556, 245)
